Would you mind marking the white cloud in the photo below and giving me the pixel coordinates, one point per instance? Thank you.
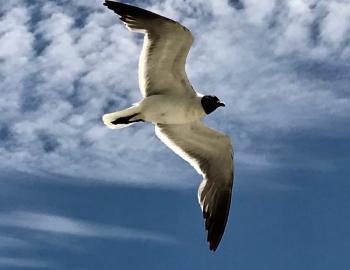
(257, 59)
(258, 11)
(336, 25)
(48, 223)
(15, 56)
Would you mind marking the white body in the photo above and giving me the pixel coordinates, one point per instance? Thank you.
(171, 109)
(161, 109)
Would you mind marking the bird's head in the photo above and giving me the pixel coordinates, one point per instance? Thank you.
(210, 103)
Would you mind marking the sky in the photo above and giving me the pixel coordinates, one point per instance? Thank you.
(77, 195)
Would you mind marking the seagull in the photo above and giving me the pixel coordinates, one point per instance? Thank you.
(176, 109)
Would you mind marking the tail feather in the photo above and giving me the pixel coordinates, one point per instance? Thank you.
(123, 118)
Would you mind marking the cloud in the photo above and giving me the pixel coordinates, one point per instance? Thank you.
(336, 24)
(279, 66)
(48, 223)
(24, 263)
(7, 242)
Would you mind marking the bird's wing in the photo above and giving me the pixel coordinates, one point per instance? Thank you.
(165, 48)
(210, 153)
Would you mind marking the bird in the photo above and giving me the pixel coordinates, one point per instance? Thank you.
(177, 110)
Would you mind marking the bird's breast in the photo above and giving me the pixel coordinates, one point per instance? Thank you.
(171, 109)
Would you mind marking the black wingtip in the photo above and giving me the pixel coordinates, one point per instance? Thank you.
(213, 248)
(214, 244)
(109, 4)
(119, 5)
(216, 219)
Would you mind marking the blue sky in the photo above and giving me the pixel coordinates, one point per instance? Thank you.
(76, 195)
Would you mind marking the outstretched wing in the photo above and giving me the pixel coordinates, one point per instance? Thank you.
(165, 48)
(210, 153)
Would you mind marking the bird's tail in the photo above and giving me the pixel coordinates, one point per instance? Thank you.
(122, 118)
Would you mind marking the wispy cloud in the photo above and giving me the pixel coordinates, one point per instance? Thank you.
(279, 66)
(23, 263)
(48, 223)
(7, 242)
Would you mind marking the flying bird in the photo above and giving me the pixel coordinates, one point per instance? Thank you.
(176, 109)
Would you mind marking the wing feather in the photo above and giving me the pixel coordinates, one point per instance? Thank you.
(210, 153)
(165, 49)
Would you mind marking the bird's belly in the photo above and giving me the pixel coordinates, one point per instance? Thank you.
(170, 110)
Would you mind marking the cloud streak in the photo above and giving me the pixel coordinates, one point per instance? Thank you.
(24, 263)
(48, 223)
(7, 242)
(279, 66)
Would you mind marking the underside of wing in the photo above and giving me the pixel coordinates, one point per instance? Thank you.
(166, 46)
(210, 153)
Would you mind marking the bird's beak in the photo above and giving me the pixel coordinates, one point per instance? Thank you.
(221, 104)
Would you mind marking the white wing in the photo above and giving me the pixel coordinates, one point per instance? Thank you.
(165, 48)
(210, 153)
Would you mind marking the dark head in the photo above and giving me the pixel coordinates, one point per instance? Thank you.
(210, 103)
